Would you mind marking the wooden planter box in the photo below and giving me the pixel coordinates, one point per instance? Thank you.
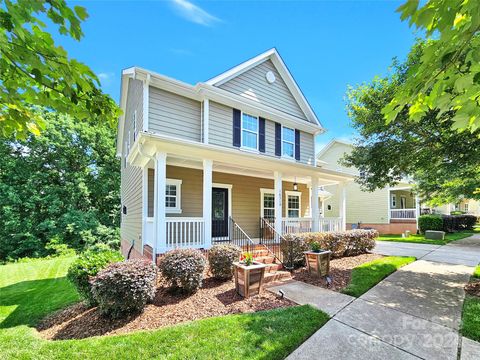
(318, 262)
(249, 279)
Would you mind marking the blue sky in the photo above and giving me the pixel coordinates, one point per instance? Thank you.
(327, 45)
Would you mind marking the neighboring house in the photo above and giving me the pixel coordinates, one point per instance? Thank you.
(389, 210)
(225, 155)
(467, 206)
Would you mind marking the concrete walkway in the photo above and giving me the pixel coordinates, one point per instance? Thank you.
(413, 314)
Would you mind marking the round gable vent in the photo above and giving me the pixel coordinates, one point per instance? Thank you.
(270, 76)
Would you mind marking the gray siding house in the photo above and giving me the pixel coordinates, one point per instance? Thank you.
(202, 161)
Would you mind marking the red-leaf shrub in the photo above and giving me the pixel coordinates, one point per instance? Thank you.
(221, 258)
(183, 268)
(124, 288)
(340, 243)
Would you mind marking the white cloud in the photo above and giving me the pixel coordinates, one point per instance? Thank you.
(194, 13)
(105, 77)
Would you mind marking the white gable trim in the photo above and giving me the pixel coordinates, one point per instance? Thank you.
(277, 61)
(329, 146)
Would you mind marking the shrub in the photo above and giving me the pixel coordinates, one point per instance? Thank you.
(124, 288)
(341, 243)
(87, 265)
(430, 222)
(221, 258)
(183, 268)
(458, 222)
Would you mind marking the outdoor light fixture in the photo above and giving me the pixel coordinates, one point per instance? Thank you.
(295, 185)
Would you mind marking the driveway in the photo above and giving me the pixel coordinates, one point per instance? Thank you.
(413, 314)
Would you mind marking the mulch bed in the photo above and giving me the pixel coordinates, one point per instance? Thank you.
(215, 298)
(473, 287)
(340, 272)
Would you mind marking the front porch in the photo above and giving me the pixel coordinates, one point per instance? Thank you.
(208, 202)
(403, 205)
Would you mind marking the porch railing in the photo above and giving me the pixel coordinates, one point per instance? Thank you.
(239, 237)
(330, 224)
(299, 225)
(185, 232)
(276, 244)
(398, 214)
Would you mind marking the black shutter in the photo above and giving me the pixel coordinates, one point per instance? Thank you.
(236, 128)
(261, 135)
(278, 139)
(297, 144)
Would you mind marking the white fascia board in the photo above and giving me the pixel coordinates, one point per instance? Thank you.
(330, 144)
(126, 75)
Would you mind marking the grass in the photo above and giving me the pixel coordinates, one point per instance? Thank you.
(367, 275)
(29, 291)
(470, 327)
(420, 239)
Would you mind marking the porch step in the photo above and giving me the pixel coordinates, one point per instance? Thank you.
(276, 276)
(273, 267)
(265, 259)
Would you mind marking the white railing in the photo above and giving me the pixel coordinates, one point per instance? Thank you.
(397, 214)
(185, 232)
(298, 225)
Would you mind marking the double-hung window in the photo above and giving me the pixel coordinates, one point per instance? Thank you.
(173, 196)
(268, 204)
(288, 142)
(249, 131)
(393, 201)
(293, 204)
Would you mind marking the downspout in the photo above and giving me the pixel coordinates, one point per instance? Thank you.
(154, 246)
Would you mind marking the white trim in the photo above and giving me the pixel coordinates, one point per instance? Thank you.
(178, 197)
(257, 133)
(229, 187)
(146, 101)
(144, 204)
(264, 191)
(293, 193)
(207, 201)
(290, 142)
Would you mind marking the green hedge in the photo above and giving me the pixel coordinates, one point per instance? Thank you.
(430, 222)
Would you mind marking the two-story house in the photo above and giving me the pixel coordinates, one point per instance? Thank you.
(202, 162)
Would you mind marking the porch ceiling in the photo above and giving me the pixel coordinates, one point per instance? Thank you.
(191, 154)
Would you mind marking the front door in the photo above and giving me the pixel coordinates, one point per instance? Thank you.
(219, 212)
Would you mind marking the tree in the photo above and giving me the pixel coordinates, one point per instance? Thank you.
(36, 73)
(444, 163)
(447, 77)
(59, 188)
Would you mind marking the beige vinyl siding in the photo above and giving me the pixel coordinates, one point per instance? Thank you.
(367, 207)
(334, 154)
(246, 196)
(252, 84)
(174, 115)
(221, 133)
(131, 177)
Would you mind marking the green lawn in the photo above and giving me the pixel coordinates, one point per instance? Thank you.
(420, 239)
(367, 275)
(470, 327)
(29, 291)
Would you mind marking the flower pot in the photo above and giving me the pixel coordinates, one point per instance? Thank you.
(249, 279)
(318, 263)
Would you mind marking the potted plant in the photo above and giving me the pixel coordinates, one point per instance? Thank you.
(249, 275)
(318, 260)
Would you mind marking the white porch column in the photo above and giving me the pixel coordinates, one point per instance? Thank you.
(207, 202)
(343, 204)
(160, 240)
(314, 202)
(417, 209)
(278, 201)
(144, 205)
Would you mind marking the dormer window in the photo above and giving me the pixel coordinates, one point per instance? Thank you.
(249, 131)
(288, 142)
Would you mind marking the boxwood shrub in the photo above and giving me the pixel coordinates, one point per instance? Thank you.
(340, 243)
(183, 268)
(458, 222)
(221, 258)
(430, 222)
(88, 265)
(124, 288)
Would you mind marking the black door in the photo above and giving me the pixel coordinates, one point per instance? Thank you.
(219, 212)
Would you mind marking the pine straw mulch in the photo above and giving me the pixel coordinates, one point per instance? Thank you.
(340, 272)
(215, 298)
(473, 287)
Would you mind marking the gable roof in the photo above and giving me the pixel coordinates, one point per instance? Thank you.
(282, 69)
(330, 145)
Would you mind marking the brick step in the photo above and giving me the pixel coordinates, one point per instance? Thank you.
(260, 253)
(276, 276)
(273, 267)
(266, 259)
